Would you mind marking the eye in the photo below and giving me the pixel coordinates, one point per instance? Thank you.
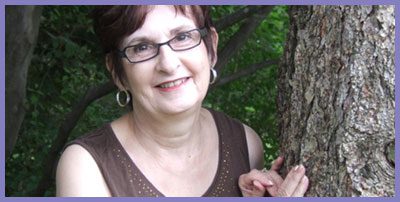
(142, 47)
(183, 36)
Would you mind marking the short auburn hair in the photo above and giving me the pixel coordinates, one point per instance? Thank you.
(113, 23)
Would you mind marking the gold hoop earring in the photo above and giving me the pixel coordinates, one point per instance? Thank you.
(127, 98)
(214, 75)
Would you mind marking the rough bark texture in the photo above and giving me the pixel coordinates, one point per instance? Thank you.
(22, 25)
(336, 98)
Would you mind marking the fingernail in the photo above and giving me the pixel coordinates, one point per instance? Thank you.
(304, 179)
(258, 185)
(269, 183)
(295, 168)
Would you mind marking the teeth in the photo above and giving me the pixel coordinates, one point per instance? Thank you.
(172, 83)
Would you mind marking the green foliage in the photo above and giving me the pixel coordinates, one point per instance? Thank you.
(67, 60)
(252, 99)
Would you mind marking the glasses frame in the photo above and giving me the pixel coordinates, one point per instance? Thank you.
(203, 32)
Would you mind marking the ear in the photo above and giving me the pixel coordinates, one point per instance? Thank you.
(110, 68)
(214, 38)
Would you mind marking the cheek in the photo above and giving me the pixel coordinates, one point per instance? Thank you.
(203, 62)
(203, 68)
(204, 76)
(135, 77)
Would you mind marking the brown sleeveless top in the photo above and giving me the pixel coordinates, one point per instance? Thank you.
(123, 178)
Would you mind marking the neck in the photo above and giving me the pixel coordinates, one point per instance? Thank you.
(163, 135)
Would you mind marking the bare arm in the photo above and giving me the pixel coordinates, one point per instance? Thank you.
(255, 147)
(79, 175)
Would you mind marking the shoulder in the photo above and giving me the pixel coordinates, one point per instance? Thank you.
(254, 143)
(255, 147)
(78, 174)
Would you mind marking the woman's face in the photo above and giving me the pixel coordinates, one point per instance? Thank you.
(173, 81)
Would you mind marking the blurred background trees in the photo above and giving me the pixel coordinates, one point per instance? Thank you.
(67, 74)
(20, 42)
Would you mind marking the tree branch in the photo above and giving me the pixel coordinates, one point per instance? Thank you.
(244, 72)
(240, 37)
(71, 119)
(237, 16)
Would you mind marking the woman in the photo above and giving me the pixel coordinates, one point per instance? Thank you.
(168, 145)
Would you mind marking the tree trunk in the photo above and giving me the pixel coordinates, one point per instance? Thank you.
(336, 99)
(22, 25)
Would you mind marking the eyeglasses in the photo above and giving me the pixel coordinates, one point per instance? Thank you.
(147, 50)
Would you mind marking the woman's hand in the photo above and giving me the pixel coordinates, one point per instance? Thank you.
(256, 182)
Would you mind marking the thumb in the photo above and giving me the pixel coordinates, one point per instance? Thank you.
(258, 185)
(259, 189)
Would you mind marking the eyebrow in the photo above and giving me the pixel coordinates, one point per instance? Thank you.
(180, 28)
(171, 32)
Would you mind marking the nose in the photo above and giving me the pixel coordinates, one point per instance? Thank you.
(168, 60)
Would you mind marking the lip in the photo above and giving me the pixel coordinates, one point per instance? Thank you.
(174, 84)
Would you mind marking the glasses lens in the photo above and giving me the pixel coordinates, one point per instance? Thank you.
(140, 52)
(146, 50)
(186, 40)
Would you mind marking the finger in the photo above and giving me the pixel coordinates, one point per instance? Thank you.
(256, 189)
(258, 185)
(277, 164)
(246, 189)
(259, 189)
(263, 177)
(277, 180)
(272, 190)
(274, 177)
(248, 185)
(302, 187)
(249, 177)
(292, 180)
(246, 192)
(246, 179)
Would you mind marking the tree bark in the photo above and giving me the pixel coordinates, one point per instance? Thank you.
(22, 25)
(336, 99)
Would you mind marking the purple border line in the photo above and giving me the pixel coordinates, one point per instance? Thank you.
(397, 99)
(205, 2)
(2, 102)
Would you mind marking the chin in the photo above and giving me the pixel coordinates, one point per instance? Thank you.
(176, 108)
(188, 100)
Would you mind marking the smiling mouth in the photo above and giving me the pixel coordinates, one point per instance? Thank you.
(172, 84)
